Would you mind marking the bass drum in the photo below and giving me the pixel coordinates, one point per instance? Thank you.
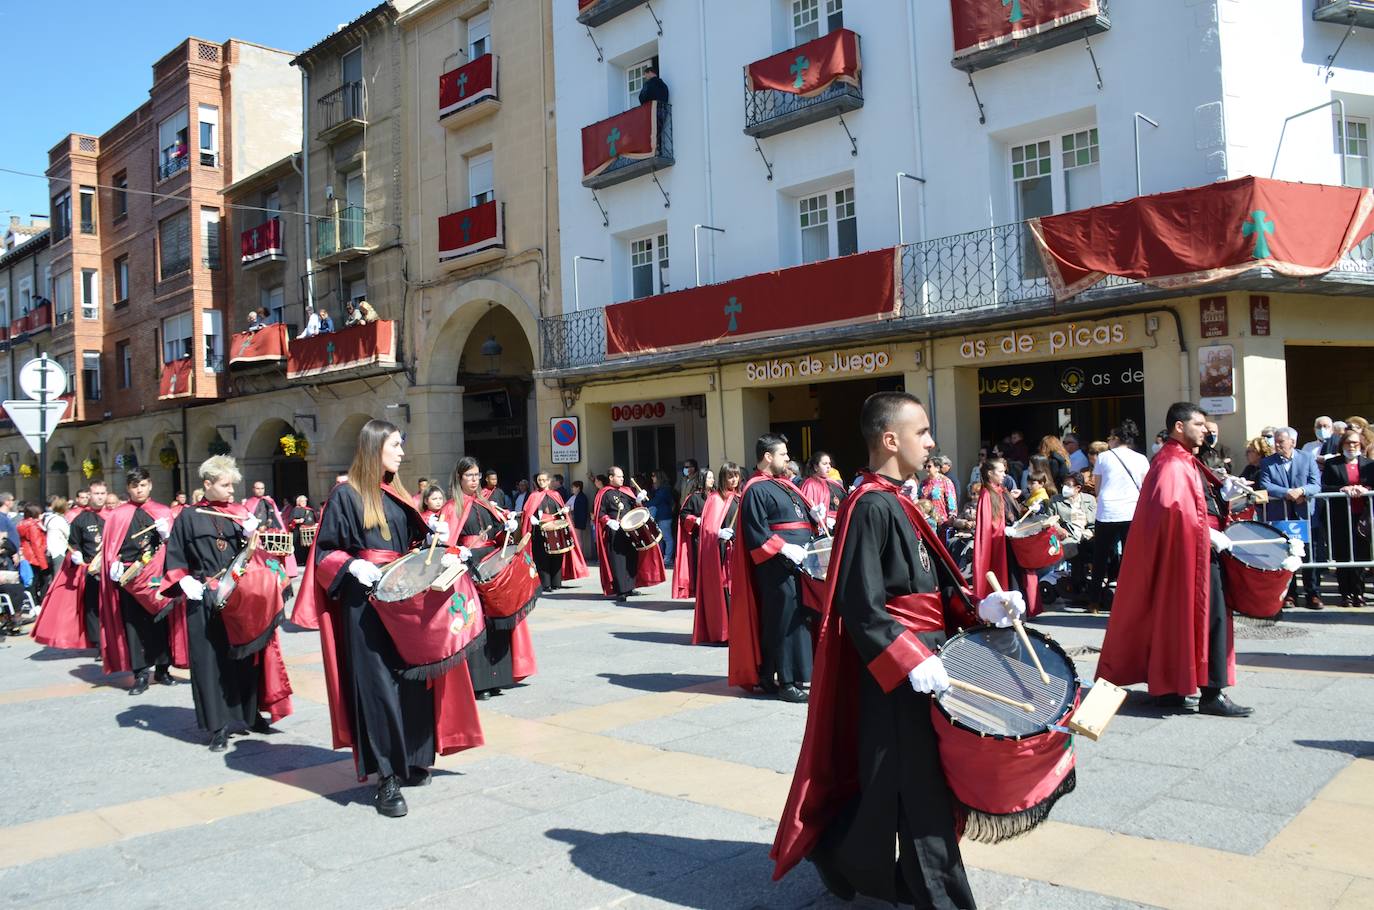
(1256, 581)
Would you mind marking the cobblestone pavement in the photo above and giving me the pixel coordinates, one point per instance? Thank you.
(626, 774)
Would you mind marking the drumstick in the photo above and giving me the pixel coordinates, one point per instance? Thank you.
(137, 534)
(433, 542)
(238, 518)
(979, 690)
(1021, 631)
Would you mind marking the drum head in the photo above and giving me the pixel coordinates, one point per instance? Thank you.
(817, 560)
(409, 576)
(493, 564)
(1258, 545)
(635, 518)
(996, 660)
(553, 525)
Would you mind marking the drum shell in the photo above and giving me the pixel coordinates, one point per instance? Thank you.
(999, 776)
(1253, 590)
(640, 527)
(1040, 550)
(253, 609)
(147, 582)
(558, 536)
(433, 630)
(512, 589)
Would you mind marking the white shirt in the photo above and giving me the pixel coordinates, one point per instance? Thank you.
(312, 326)
(59, 533)
(1078, 461)
(1119, 472)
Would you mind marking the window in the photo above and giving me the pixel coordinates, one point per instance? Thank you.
(121, 194)
(174, 244)
(649, 266)
(90, 374)
(271, 201)
(68, 364)
(171, 140)
(480, 179)
(125, 359)
(212, 328)
(26, 296)
(176, 338)
(815, 228)
(62, 299)
(209, 238)
(846, 223)
(815, 214)
(357, 290)
(209, 135)
(1082, 178)
(47, 281)
(1058, 174)
(274, 299)
(121, 280)
(479, 35)
(351, 66)
(5, 392)
(4, 307)
(90, 294)
(634, 81)
(1355, 170)
(88, 210)
(61, 215)
(806, 19)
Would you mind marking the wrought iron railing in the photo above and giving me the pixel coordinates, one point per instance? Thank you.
(663, 153)
(341, 105)
(173, 165)
(345, 231)
(573, 339)
(786, 110)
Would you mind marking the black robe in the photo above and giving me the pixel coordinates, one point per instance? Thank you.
(902, 791)
(492, 667)
(393, 718)
(620, 551)
(149, 644)
(693, 505)
(300, 516)
(225, 690)
(784, 634)
(86, 537)
(550, 565)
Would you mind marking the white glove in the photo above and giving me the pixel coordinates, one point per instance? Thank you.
(999, 609)
(1291, 563)
(1220, 542)
(512, 524)
(726, 534)
(829, 523)
(366, 573)
(164, 528)
(464, 554)
(613, 524)
(1233, 486)
(77, 558)
(440, 530)
(794, 551)
(641, 496)
(449, 560)
(250, 524)
(1296, 548)
(116, 570)
(818, 511)
(193, 589)
(929, 676)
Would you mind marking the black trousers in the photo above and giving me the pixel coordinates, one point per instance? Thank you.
(550, 565)
(1218, 631)
(90, 608)
(1106, 535)
(492, 667)
(149, 644)
(624, 560)
(225, 690)
(784, 636)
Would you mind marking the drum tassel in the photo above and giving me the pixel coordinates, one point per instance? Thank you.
(986, 828)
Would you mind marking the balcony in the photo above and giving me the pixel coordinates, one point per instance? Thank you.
(262, 244)
(341, 112)
(987, 35)
(815, 81)
(473, 235)
(470, 92)
(370, 345)
(173, 165)
(595, 12)
(37, 319)
(1345, 12)
(628, 145)
(177, 379)
(341, 237)
(267, 345)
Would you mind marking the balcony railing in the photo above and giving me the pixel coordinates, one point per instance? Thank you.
(627, 168)
(174, 165)
(768, 112)
(341, 110)
(595, 12)
(993, 50)
(35, 320)
(341, 237)
(1345, 12)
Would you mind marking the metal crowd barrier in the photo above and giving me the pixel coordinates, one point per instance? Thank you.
(1312, 522)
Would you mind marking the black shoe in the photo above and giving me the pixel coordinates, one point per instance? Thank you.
(834, 883)
(1221, 706)
(768, 687)
(418, 777)
(164, 677)
(262, 725)
(1313, 602)
(220, 741)
(389, 801)
(141, 680)
(496, 691)
(620, 601)
(483, 695)
(634, 594)
(1176, 701)
(792, 694)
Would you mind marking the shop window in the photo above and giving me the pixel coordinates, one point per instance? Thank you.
(649, 266)
(807, 22)
(829, 225)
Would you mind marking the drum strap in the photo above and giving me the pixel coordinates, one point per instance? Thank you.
(790, 526)
(919, 612)
(379, 557)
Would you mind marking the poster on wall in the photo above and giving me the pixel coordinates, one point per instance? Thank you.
(1212, 315)
(1259, 314)
(1216, 379)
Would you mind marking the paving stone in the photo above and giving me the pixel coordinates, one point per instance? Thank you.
(1204, 824)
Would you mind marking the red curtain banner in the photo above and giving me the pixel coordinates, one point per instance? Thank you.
(982, 24)
(266, 344)
(808, 69)
(258, 242)
(467, 85)
(1203, 234)
(34, 319)
(858, 288)
(633, 134)
(583, 4)
(471, 231)
(175, 381)
(361, 345)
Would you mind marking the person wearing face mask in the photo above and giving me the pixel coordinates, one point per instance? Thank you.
(1077, 513)
(1327, 443)
(1291, 478)
(1213, 454)
(689, 476)
(1352, 474)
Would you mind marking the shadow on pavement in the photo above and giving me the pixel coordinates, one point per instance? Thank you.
(1142, 704)
(1329, 616)
(1070, 620)
(1355, 747)
(96, 676)
(46, 653)
(655, 638)
(1322, 663)
(172, 722)
(656, 682)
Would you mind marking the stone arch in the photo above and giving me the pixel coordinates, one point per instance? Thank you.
(338, 453)
(450, 325)
(166, 480)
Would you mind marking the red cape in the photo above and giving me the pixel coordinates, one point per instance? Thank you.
(1157, 631)
(684, 583)
(61, 621)
(250, 506)
(990, 554)
(827, 773)
(816, 491)
(711, 622)
(649, 569)
(574, 563)
(114, 647)
(456, 724)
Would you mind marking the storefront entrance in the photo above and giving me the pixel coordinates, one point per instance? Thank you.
(658, 434)
(1326, 380)
(823, 416)
(494, 429)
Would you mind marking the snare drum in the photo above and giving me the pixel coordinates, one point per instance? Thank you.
(817, 561)
(143, 581)
(1256, 581)
(641, 528)
(307, 533)
(1039, 543)
(558, 536)
(276, 542)
(508, 584)
(431, 612)
(251, 607)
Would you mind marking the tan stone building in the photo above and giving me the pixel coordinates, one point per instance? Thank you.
(25, 329)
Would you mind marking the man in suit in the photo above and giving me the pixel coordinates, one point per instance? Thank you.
(1291, 478)
(1352, 474)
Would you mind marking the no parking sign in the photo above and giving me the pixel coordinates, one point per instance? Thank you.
(566, 440)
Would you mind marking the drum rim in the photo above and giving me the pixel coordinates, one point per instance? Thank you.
(390, 567)
(1077, 689)
(1252, 521)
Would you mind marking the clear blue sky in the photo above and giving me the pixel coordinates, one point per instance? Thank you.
(79, 66)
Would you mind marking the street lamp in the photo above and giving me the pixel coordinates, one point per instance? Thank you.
(577, 288)
(696, 254)
(901, 229)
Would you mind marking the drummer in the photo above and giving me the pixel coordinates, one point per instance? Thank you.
(1169, 626)
(394, 725)
(228, 692)
(622, 565)
(507, 656)
(542, 505)
(695, 491)
(820, 489)
(716, 530)
(302, 516)
(869, 776)
(992, 551)
(264, 509)
(431, 504)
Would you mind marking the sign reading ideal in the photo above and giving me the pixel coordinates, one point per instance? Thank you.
(1073, 338)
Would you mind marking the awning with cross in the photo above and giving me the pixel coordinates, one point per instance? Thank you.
(1203, 234)
(467, 85)
(810, 68)
(175, 380)
(983, 24)
(475, 230)
(632, 134)
(371, 344)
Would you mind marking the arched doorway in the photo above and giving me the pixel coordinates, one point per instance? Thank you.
(165, 468)
(495, 369)
(279, 464)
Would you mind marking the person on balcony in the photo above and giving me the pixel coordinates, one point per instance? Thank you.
(312, 325)
(368, 313)
(654, 88)
(326, 324)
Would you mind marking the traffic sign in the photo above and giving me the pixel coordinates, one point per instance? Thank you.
(566, 442)
(35, 421)
(43, 375)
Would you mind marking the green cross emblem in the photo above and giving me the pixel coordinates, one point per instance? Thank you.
(155, 582)
(1015, 10)
(329, 352)
(246, 344)
(276, 569)
(1259, 225)
(799, 69)
(731, 308)
(462, 84)
(458, 603)
(466, 226)
(611, 139)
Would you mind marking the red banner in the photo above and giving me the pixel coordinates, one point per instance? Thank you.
(1202, 234)
(346, 349)
(633, 134)
(583, 4)
(261, 242)
(981, 24)
(859, 288)
(266, 344)
(471, 231)
(809, 69)
(36, 318)
(467, 85)
(176, 378)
